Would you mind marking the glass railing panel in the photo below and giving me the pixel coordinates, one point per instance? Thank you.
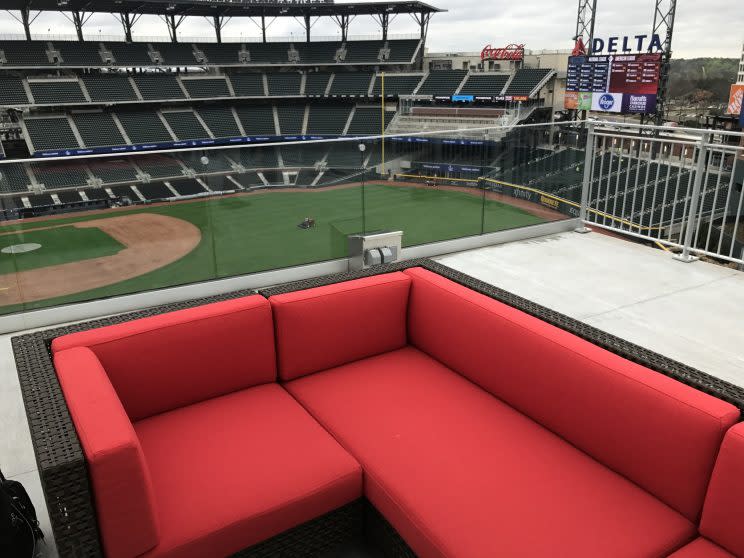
(92, 228)
(533, 175)
(283, 206)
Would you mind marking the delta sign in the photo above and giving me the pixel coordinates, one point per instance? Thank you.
(625, 79)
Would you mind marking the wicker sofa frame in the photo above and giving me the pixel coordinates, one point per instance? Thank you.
(64, 474)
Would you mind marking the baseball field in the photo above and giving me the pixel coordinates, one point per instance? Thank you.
(112, 252)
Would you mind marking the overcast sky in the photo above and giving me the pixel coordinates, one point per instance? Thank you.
(703, 27)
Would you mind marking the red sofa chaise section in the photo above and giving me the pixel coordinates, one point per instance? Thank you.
(193, 448)
(487, 432)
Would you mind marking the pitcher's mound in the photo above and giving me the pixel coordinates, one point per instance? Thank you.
(20, 248)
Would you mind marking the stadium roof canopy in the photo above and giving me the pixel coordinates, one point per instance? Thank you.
(226, 8)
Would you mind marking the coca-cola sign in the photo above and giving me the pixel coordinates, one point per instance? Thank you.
(509, 52)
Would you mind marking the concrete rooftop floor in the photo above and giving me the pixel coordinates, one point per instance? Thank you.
(688, 312)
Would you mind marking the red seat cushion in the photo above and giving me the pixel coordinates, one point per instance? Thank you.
(460, 474)
(172, 360)
(329, 326)
(701, 548)
(655, 431)
(723, 514)
(233, 471)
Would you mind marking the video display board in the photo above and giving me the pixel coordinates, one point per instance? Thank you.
(621, 83)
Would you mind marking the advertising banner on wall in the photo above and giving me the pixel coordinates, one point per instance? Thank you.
(626, 83)
(735, 99)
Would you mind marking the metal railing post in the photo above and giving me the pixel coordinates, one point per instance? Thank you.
(694, 201)
(587, 181)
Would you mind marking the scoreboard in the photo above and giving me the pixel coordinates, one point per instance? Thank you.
(622, 83)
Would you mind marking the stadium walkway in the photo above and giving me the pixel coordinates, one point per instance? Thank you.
(689, 312)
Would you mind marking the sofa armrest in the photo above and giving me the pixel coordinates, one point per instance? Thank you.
(119, 475)
(723, 517)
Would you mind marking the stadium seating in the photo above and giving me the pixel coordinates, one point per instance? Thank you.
(291, 118)
(175, 54)
(317, 83)
(367, 121)
(220, 54)
(187, 187)
(155, 191)
(28, 54)
(327, 120)
(69, 196)
(144, 127)
(112, 171)
(525, 80)
(220, 121)
(60, 175)
(185, 125)
(54, 92)
(51, 133)
(13, 178)
(12, 91)
(40, 200)
(97, 129)
(363, 52)
(203, 88)
(95, 194)
(403, 50)
(217, 162)
(131, 55)
(351, 84)
(284, 84)
(369, 379)
(442, 82)
(79, 54)
(484, 84)
(160, 166)
(397, 85)
(156, 87)
(257, 120)
(106, 88)
(124, 192)
(248, 85)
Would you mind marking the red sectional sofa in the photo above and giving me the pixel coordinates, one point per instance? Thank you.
(476, 430)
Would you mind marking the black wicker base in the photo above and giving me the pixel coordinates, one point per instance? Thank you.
(320, 538)
(383, 536)
(64, 474)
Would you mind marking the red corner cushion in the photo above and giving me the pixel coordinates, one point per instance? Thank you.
(459, 473)
(701, 548)
(657, 432)
(168, 361)
(233, 471)
(121, 482)
(723, 514)
(329, 326)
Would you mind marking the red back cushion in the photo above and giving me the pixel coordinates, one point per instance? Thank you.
(122, 486)
(723, 514)
(657, 432)
(164, 362)
(329, 326)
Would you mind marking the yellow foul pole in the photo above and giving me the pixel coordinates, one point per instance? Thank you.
(382, 92)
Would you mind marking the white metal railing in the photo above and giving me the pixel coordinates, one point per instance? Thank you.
(299, 37)
(680, 188)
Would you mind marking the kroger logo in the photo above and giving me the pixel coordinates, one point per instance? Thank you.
(606, 102)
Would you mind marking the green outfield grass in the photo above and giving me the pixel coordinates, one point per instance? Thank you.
(58, 246)
(251, 233)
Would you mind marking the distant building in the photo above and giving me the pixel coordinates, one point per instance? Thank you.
(740, 79)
